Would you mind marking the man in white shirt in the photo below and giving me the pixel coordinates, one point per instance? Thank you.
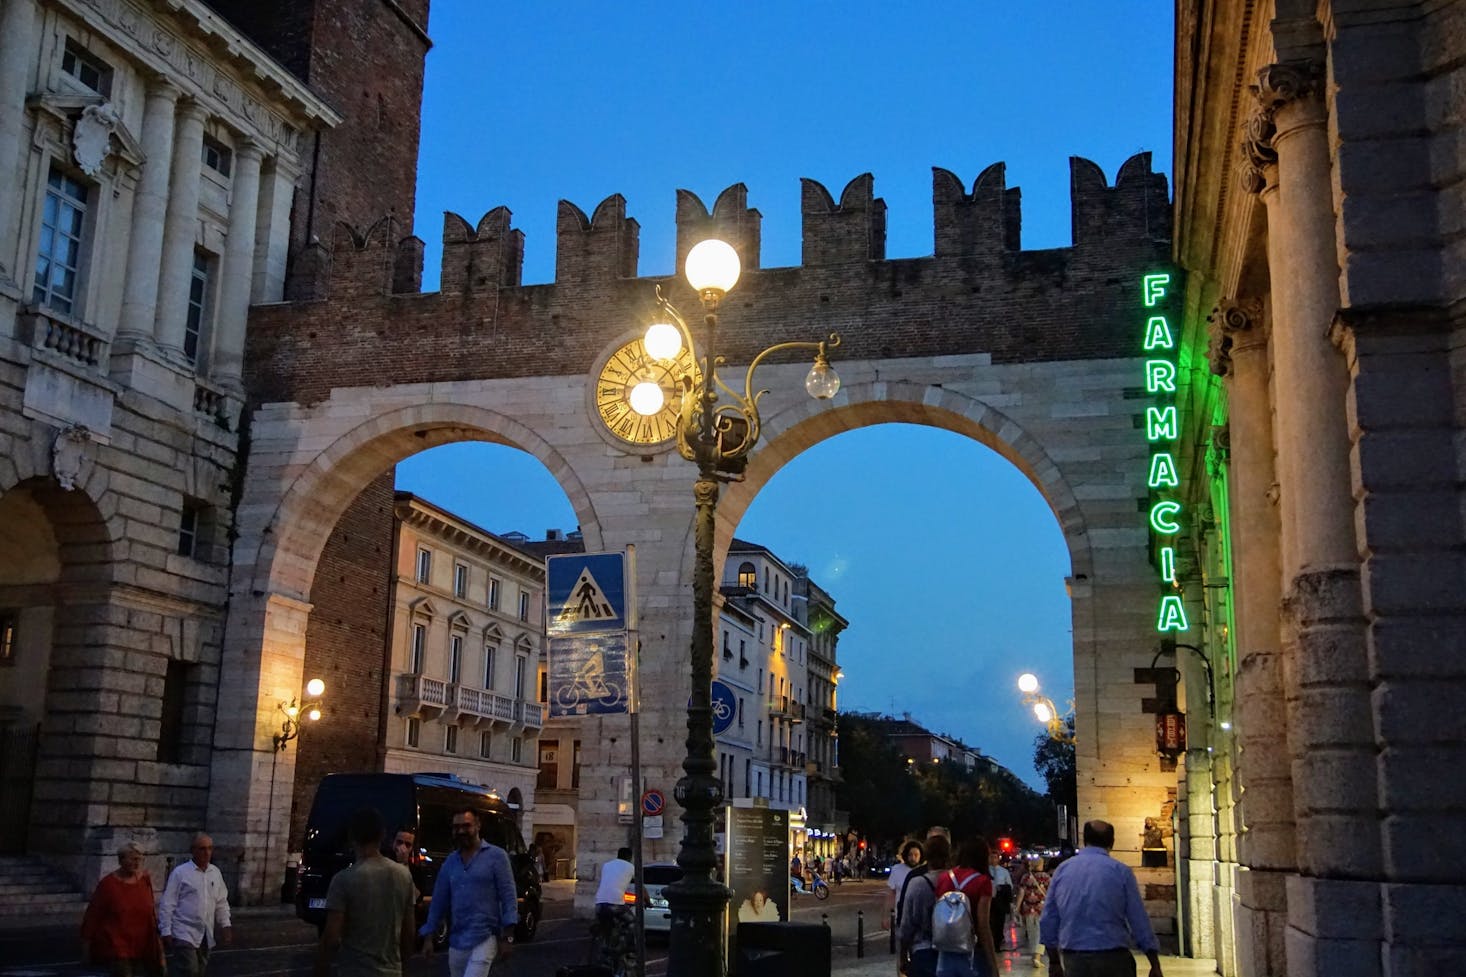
(195, 902)
(616, 875)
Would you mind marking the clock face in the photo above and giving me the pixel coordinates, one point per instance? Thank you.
(627, 367)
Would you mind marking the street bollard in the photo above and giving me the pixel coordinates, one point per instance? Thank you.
(825, 918)
(892, 948)
(859, 933)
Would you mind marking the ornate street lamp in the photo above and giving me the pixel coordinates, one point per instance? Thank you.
(718, 438)
(310, 708)
(1043, 708)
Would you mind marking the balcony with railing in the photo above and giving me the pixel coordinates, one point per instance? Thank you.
(423, 697)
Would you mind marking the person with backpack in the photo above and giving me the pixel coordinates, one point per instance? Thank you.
(960, 914)
(917, 899)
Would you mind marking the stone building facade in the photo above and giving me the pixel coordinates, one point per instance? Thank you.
(1318, 210)
(146, 206)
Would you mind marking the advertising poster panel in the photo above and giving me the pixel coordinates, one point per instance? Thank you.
(756, 856)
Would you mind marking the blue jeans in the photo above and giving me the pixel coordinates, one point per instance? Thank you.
(960, 965)
(923, 963)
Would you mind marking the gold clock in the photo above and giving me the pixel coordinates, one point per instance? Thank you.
(626, 367)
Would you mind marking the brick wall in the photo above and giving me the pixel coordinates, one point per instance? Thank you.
(365, 58)
(346, 645)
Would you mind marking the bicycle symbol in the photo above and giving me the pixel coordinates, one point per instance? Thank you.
(589, 685)
(722, 708)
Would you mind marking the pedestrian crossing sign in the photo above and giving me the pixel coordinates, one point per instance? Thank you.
(585, 593)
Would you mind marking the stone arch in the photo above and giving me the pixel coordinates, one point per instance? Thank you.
(292, 538)
(795, 429)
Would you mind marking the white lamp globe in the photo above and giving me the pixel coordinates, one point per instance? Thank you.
(822, 382)
(314, 714)
(314, 688)
(647, 398)
(662, 341)
(1043, 712)
(1028, 682)
(712, 266)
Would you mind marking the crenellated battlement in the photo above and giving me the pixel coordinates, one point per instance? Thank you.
(983, 223)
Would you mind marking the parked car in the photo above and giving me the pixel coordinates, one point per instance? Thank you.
(657, 917)
(424, 803)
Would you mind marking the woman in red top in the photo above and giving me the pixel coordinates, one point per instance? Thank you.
(120, 928)
(970, 876)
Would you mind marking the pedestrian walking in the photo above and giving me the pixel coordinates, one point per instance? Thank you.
(911, 855)
(1002, 900)
(370, 927)
(1031, 894)
(120, 928)
(1093, 911)
(917, 898)
(969, 875)
(194, 913)
(475, 892)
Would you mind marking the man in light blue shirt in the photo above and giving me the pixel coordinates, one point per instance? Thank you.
(476, 891)
(1092, 912)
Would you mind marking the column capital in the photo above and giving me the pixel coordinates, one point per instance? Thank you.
(1283, 83)
(161, 86)
(1259, 158)
(1234, 324)
(249, 148)
(192, 110)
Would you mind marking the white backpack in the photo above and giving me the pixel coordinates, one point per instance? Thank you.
(952, 920)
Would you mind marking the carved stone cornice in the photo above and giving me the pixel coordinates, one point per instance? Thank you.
(1234, 323)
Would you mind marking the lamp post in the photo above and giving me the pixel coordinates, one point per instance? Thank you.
(310, 707)
(1043, 708)
(717, 438)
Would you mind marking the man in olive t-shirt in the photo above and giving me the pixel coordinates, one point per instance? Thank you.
(370, 927)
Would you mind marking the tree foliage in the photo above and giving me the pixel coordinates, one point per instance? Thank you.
(1054, 761)
(889, 798)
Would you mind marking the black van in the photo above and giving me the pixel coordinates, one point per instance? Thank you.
(425, 803)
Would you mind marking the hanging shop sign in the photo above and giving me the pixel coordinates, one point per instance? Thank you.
(1163, 431)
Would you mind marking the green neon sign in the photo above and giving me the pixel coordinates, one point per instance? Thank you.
(1158, 334)
(1162, 517)
(1172, 615)
(1163, 472)
(1160, 377)
(1153, 287)
(1161, 423)
(1168, 564)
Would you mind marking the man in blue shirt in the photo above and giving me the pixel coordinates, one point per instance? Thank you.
(1092, 912)
(476, 891)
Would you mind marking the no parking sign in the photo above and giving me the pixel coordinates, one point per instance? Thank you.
(653, 803)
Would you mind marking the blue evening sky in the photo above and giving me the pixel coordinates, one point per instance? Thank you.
(947, 562)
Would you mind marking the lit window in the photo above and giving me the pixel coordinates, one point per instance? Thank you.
(198, 304)
(419, 648)
(58, 258)
(86, 68)
(450, 739)
(460, 580)
(7, 638)
(424, 565)
(414, 730)
(485, 744)
(493, 593)
(217, 156)
(747, 576)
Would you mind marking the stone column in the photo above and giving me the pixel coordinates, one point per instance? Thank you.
(1265, 843)
(17, 46)
(180, 230)
(1326, 673)
(149, 211)
(236, 270)
(277, 195)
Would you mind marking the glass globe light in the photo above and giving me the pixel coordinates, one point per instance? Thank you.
(292, 710)
(1028, 682)
(314, 688)
(822, 382)
(662, 341)
(1043, 712)
(647, 398)
(314, 714)
(712, 265)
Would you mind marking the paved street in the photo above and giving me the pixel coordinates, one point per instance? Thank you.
(271, 941)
